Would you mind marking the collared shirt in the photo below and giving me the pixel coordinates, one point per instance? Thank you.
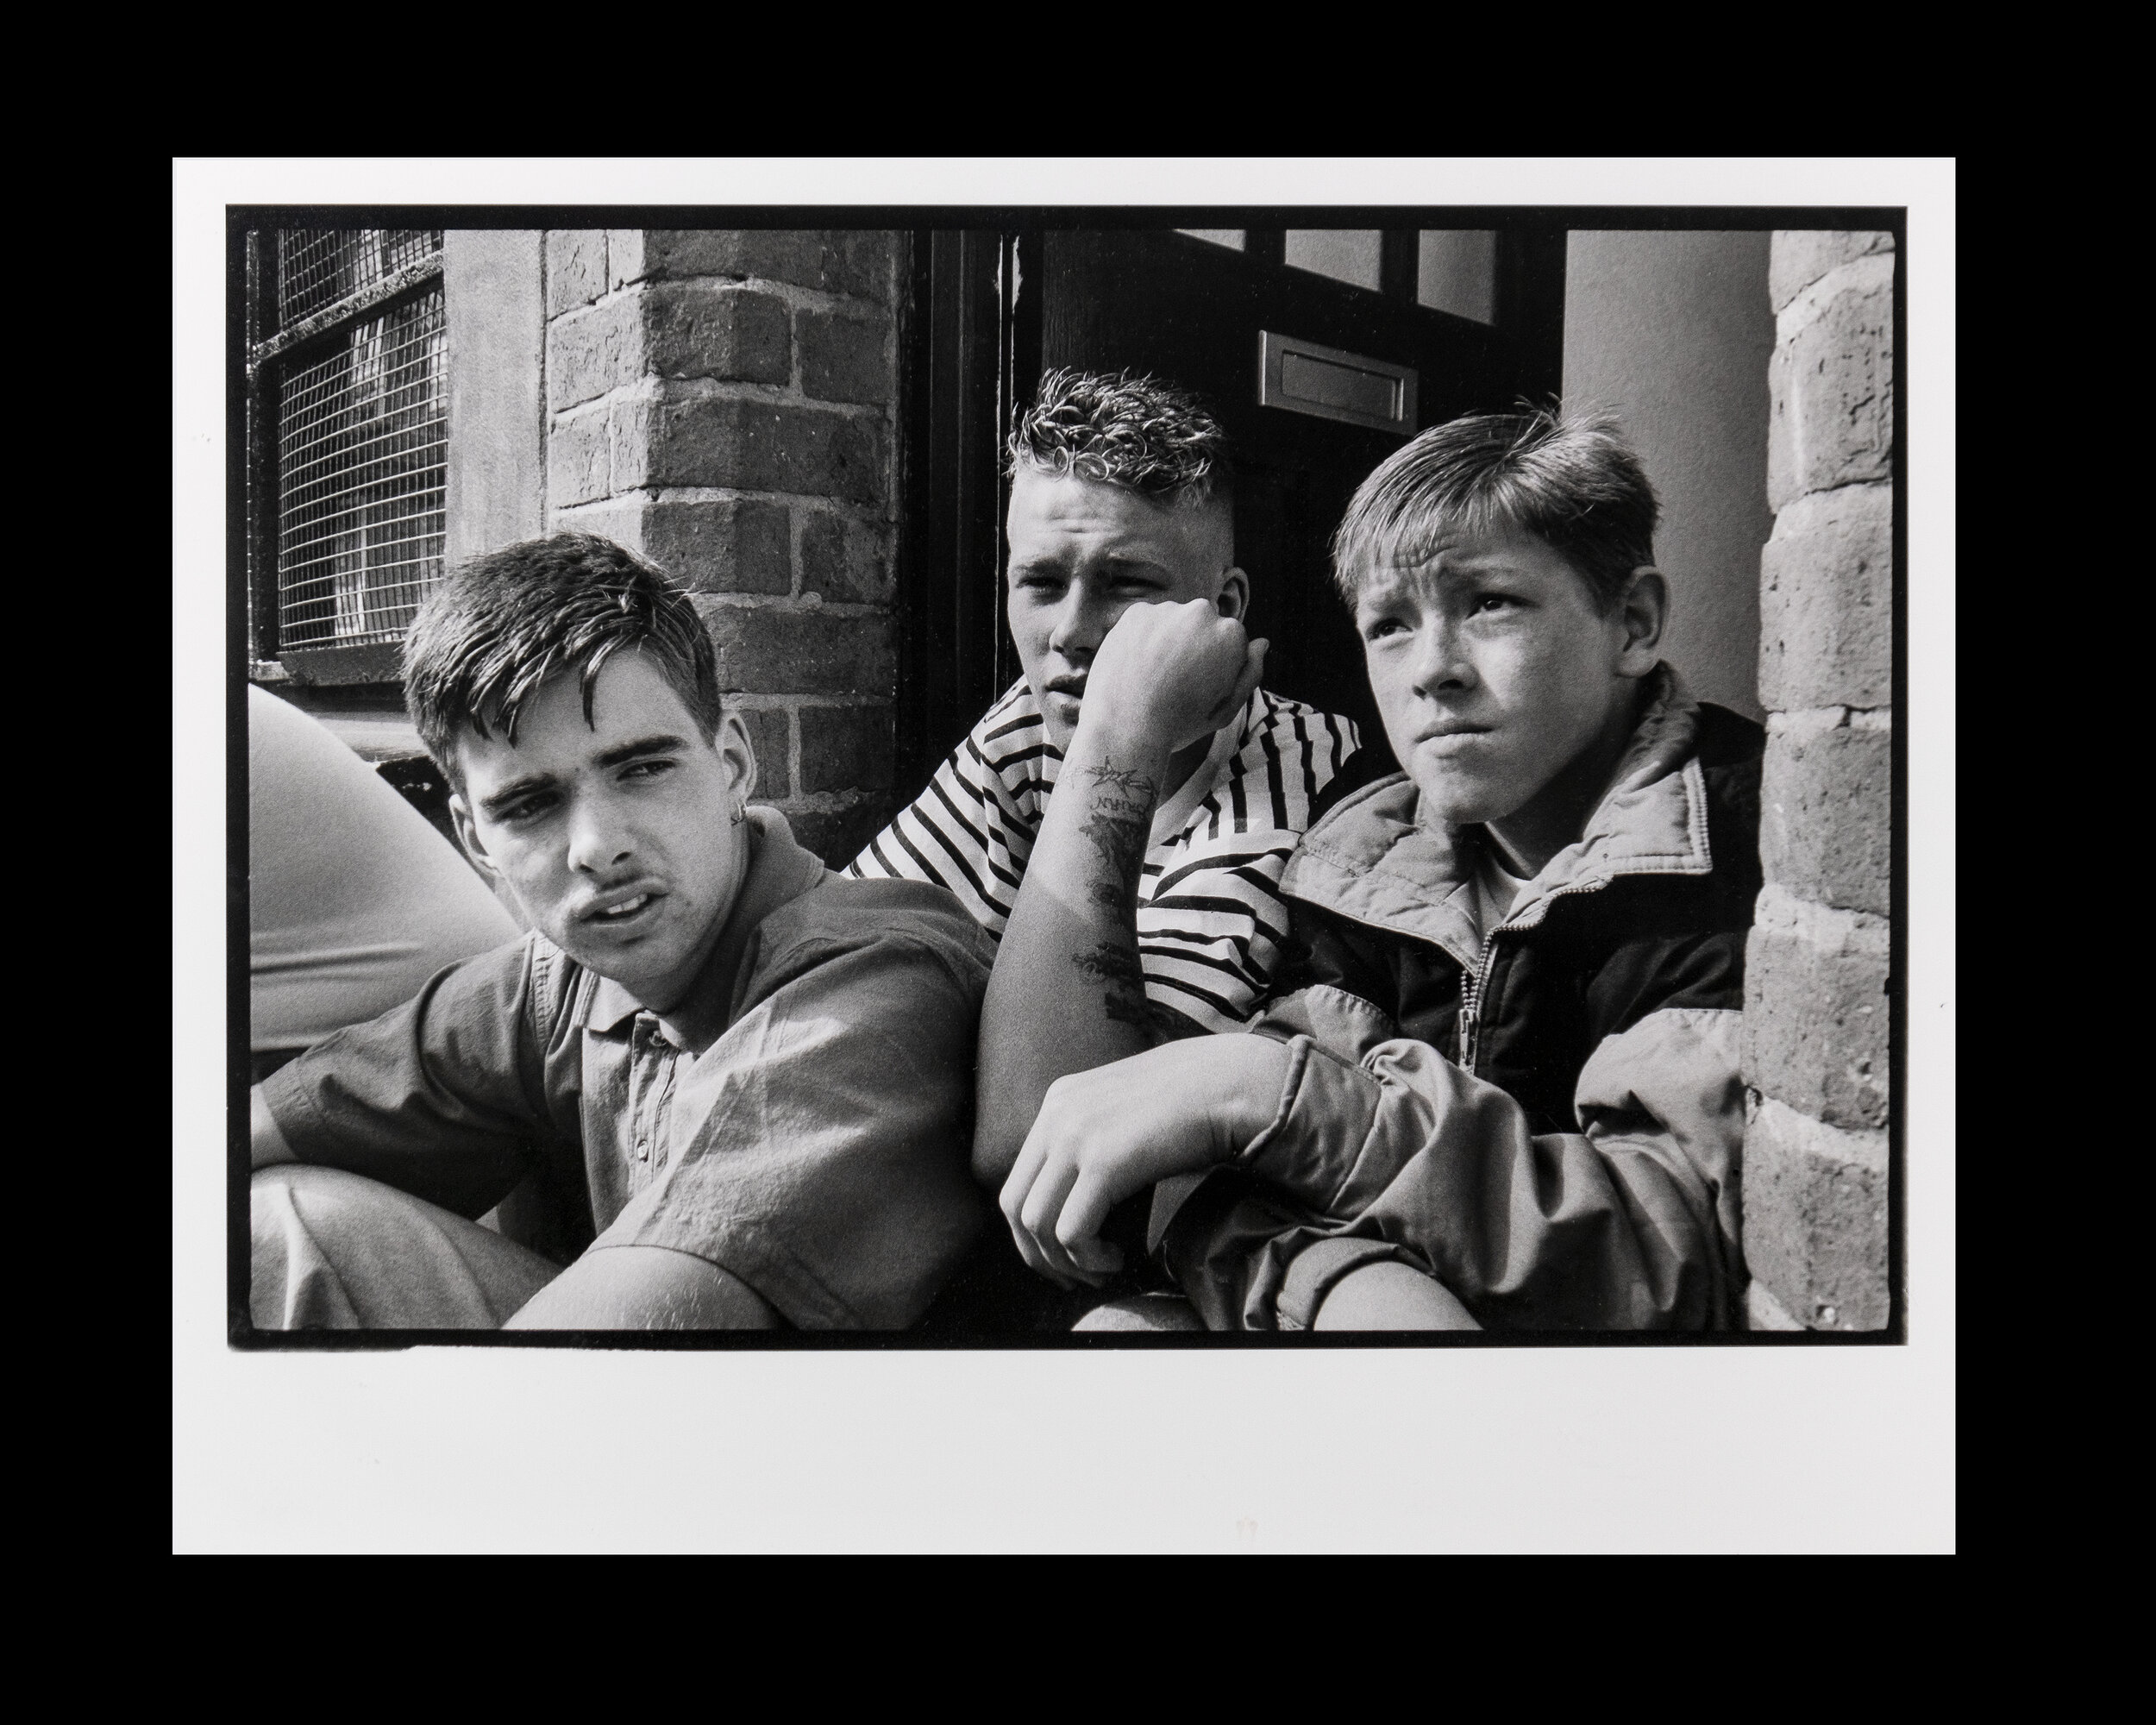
(816, 1149)
(1210, 917)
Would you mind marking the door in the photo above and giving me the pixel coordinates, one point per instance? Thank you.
(1317, 380)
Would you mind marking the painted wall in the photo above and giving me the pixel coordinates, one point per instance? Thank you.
(1673, 333)
(494, 301)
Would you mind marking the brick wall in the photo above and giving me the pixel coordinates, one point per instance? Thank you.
(723, 402)
(1816, 1005)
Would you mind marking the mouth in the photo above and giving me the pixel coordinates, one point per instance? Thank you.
(622, 910)
(1072, 688)
(1455, 734)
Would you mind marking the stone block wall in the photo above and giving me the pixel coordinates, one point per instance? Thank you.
(1818, 982)
(723, 402)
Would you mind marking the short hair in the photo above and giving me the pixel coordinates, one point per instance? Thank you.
(1570, 481)
(1140, 433)
(502, 625)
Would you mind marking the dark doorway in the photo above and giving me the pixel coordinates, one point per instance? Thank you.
(1365, 366)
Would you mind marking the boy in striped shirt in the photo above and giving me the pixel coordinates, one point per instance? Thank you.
(1140, 902)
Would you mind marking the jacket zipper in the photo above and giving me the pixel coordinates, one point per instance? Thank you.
(1470, 1007)
(1471, 1002)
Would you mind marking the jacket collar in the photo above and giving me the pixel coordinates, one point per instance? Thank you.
(779, 871)
(1371, 860)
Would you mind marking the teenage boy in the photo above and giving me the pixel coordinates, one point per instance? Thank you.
(1499, 1084)
(1119, 820)
(748, 1077)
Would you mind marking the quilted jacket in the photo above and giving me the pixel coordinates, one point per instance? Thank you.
(1549, 1119)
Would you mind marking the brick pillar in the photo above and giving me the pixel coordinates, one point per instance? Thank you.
(1816, 1005)
(723, 402)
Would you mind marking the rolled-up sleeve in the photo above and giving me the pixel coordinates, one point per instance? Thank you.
(827, 1166)
(440, 1097)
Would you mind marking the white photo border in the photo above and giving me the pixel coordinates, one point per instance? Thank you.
(1631, 1448)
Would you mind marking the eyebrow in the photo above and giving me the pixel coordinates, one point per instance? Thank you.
(1474, 569)
(664, 743)
(1053, 564)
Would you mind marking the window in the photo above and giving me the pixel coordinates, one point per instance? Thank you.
(347, 425)
(1453, 270)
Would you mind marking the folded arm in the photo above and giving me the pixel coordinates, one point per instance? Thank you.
(1069, 990)
(1400, 1155)
(1103, 1136)
(439, 1097)
(1631, 1223)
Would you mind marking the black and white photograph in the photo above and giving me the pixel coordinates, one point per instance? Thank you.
(906, 823)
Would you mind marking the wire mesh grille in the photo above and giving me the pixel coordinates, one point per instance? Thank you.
(318, 266)
(362, 441)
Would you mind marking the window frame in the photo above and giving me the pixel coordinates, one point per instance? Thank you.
(272, 353)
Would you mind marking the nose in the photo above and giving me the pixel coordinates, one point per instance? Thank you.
(1081, 621)
(599, 841)
(1441, 662)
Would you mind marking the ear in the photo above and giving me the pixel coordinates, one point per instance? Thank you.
(731, 741)
(1235, 594)
(468, 836)
(1641, 612)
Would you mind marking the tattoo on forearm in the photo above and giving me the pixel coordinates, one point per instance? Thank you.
(1132, 783)
(1111, 898)
(1124, 1001)
(1118, 821)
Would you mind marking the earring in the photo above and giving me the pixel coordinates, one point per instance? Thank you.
(739, 811)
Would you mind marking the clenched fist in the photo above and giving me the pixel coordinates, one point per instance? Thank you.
(1168, 674)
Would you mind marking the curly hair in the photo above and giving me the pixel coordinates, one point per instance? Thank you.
(1571, 482)
(1140, 433)
(502, 625)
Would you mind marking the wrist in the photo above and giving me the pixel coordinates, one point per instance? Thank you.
(1110, 734)
(1250, 1072)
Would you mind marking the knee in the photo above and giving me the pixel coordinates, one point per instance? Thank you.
(279, 1198)
(1391, 1296)
(303, 1224)
(1155, 1312)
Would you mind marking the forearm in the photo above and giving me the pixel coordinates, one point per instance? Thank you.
(1069, 990)
(437, 1097)
(266, 1145)
(1601, 1229)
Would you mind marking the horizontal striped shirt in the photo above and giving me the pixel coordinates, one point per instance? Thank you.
(1210, 918)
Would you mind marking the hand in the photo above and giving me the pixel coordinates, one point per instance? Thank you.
(1172, 673)
(1105, 1135)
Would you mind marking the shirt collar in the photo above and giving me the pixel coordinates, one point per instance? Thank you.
(779, 870)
